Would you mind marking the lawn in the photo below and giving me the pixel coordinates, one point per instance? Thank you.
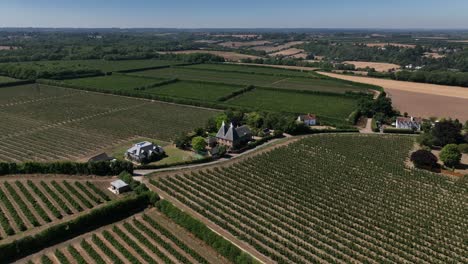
(113, 82)
(194, 90)
(173, 154)
(252, 69)
(323, 105)
(211, 76)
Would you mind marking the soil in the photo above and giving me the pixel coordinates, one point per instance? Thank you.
(378, 66)
(433, 55)
(420, 99)
(288, 52)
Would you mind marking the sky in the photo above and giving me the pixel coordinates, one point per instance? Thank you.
(428, 14)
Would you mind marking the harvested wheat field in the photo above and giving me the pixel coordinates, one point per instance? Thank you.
(378, 66)
(433, 55)
(228, 55)
(270, 49)
(420, 99)
(288, 52)
(409, 46)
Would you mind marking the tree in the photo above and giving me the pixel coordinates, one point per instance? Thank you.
(447, 132)
(450, 155)
(254, 120)
(220, 119)
(182, 140)
(423, 159)
(198, 144)
(426, 139)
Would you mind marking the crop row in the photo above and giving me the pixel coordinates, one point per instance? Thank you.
(333, 198)
(140, 240)
(28, 204)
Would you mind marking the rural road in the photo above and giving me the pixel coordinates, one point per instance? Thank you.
(368, 128)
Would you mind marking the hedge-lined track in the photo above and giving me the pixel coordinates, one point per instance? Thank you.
(334, 198)
(42, 130)
(26, 204)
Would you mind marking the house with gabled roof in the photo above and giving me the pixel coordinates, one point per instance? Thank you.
(143, 152)
(413, 123)
(233, 137)
(309, 119)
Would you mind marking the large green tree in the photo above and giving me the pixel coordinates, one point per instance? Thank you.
(198, 143)
(450, 155)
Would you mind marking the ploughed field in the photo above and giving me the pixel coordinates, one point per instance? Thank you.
(336, 199)
(144, 238)
(27, 204)
(45, 123)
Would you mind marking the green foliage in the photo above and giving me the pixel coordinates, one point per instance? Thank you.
(425, 139)
(450, 155)
(447, 132)
(424, 159)
(200, 230)
(198, 144)
(398, 131)
(463, 148)
(111, 212)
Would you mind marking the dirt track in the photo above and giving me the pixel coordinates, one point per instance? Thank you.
(420, 99)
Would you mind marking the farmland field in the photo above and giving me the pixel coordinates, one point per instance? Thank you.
(113, 82)
(211, 76)
(145, 238)
(335, 199)
(77, 124)
(252, 69)
(103, 65)
(5, 79)
(317, 85)
(26, 204)
(194, 90)
(323, 105)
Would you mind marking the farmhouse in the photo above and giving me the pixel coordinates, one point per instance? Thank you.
(233, 137)
(143, 151)
(409, 123)
(119, 187)
(310, 120)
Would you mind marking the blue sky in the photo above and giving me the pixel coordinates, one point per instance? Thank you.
(235, 13)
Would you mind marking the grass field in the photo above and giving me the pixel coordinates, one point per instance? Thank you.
(194, 90)
(26, 204)
(103, 65)
(77, 124)
(115, 82)
(323, 105)
(334, 199)
(144, 238)
(5, 79)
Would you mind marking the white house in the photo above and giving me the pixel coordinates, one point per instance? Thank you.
(119, 187)
(309, 120)
(413, 123)
(143, 151)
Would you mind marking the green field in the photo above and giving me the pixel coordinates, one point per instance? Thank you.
(254, 69)
(103, 65)
(76, 124)
(334, 199)
(115, 82)
(323, 105)
(5, 79)
(211, 76)
(306, 84)
(194, 90)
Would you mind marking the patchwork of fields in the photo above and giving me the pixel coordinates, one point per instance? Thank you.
(145, 238)
(46, 123)
(27, 204)
(335, 199)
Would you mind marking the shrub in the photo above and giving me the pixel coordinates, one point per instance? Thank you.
(423, 159)
(450, 155)
(198, 143)
(463, 148)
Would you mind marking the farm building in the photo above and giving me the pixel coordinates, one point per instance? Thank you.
(233, 137)
(413, 123)
(143, 151)
(310, 120)
(119, 187)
